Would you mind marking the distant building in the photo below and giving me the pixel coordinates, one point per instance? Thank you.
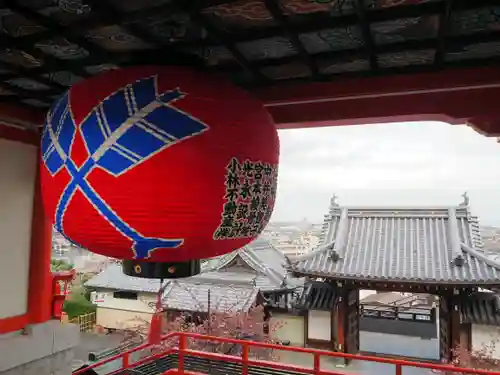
(293, 239)
(82, 260)
(491, 239)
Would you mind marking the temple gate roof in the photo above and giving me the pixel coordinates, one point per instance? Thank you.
(404, 244)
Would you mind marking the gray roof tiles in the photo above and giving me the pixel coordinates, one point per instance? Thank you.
(317, 295)
(240, 277)
(194, 296)
(267, 261)
(401, 244)
(481, 308)
(113, 278)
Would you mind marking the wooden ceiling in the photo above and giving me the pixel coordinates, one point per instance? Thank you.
(51, 44)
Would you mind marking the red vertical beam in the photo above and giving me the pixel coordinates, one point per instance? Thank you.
(455, 328)
(126, 361)
(182, 350)
(341, 319)
(244, 359)
(40, 282)
(317, 363)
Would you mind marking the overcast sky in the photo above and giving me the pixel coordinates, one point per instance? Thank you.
(389, 164)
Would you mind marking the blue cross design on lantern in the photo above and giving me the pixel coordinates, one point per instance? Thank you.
(143, 124)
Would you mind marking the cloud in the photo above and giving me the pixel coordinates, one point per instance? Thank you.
(387, 164)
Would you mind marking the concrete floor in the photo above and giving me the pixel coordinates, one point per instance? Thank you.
(92, 342)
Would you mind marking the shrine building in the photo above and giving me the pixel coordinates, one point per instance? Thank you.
(431, 250)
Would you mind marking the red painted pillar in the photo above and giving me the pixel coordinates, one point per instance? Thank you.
(40, 281)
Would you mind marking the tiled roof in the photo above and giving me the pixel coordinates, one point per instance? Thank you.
(317, 296)
(261, 256)
(232, 286)
(235, 276)
(113, 278)
(401, 244)
(313, 295)
(481, 308)
(190, 295)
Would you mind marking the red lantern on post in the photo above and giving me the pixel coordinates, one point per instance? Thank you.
(160, 167)
(61, 282)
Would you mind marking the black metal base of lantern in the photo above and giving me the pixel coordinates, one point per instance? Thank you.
(160, 270)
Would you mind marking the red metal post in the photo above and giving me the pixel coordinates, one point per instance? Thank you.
(317, 363)
(244, 358)
(182, 349)
(399, 369)
(126, 361)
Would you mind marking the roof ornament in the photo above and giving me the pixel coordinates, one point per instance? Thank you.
(334, 255)
(333, 201)
(466, 200)
(254, 281)
(458, 261)
(284, 281)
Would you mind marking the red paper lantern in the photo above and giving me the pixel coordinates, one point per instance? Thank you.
(159, 165)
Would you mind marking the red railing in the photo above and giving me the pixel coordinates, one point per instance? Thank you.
(182, 350)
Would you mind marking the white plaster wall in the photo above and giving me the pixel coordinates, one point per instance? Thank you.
(319, 325)
(143, 303)
(118, 313)
(287, 327)
(18, 163)
(122, 319)
(486, 339)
